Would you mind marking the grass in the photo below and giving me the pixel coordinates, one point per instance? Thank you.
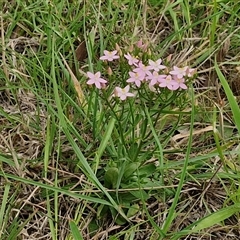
(75, 164)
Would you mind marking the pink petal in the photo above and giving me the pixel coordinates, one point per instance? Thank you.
(90, 75)
(123, 97)
(127, 88)
(90, 82)
(103, 58)
(98, 74)
(106, 52)
(98, 85)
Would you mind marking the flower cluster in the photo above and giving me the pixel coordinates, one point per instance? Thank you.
(154, 73)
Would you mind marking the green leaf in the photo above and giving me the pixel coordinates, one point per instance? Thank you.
(133, 210)
(130, 169)
(140, 194)
(111, 177)
(147, 170)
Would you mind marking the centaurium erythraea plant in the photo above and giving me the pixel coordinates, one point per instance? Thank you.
(156, 65)
(109, 55)
(96, 79)
(136, 78)
(153, 78)
(154, 73)
(123, 93)
(131, 59)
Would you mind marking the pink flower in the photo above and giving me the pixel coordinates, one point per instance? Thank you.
(156, 65)
(136, 78)
(142, 69)
(109, 56)
(179, 83)
(191, 71)
(168, 82)
(141, 45)
(162, 78)
(179, 72)
(123, 93)
(153, 77)
(131, 60)
(96, 79)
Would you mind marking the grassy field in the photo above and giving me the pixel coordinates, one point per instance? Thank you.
(147, 150)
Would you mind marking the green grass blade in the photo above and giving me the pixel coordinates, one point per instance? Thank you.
(172, 209)
(75, 231)
(231, 99)
(3, 206)
(216, 217)
(6, 160)
(104, 142)
(208, 221)
(55, 189)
